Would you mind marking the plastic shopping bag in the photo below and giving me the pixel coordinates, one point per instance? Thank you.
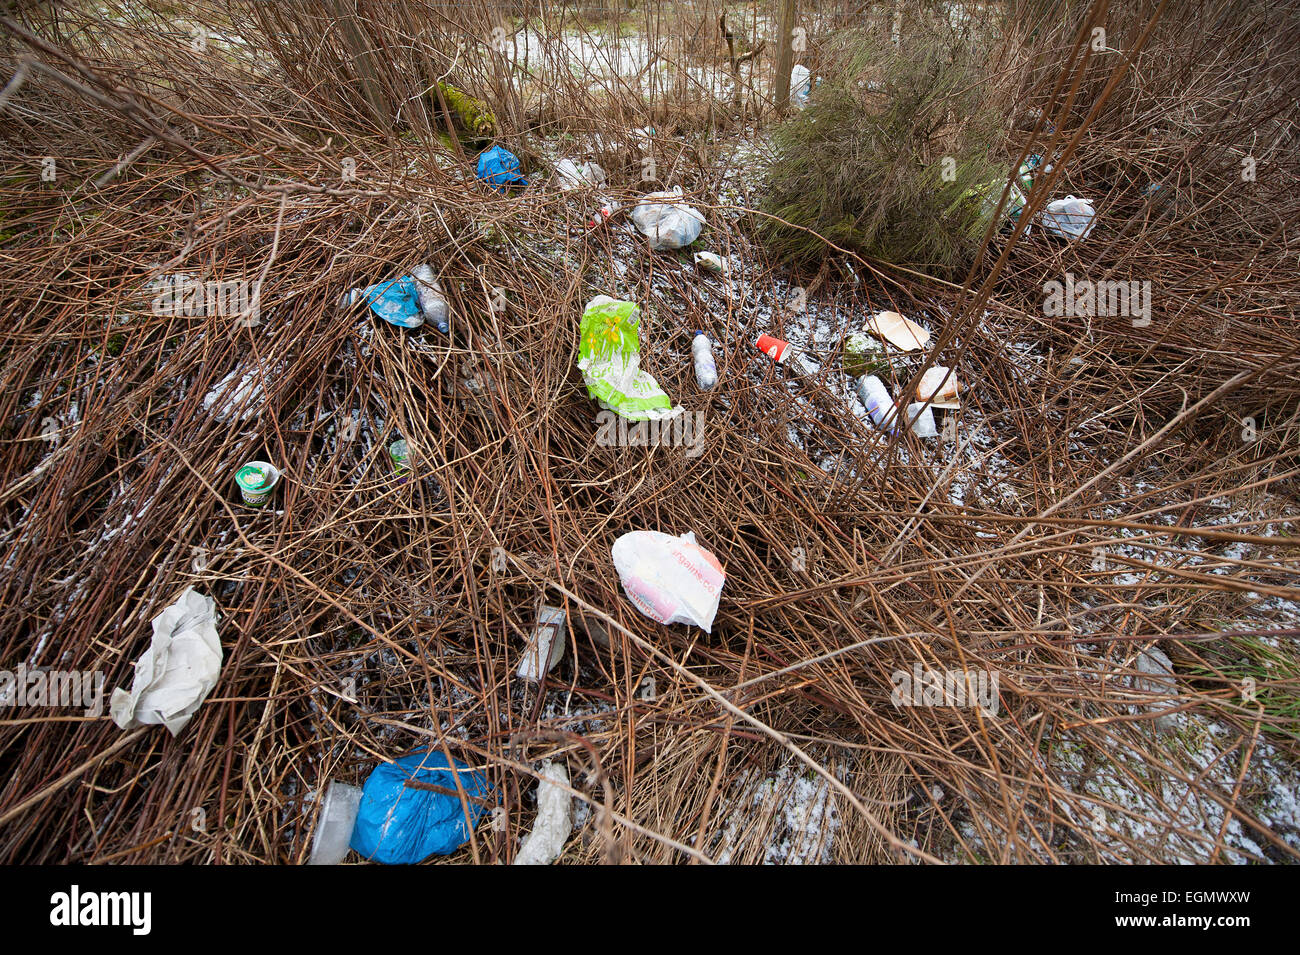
(667, 221)
(669, 579)
(1070, 218)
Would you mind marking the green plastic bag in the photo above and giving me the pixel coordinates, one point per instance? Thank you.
(991, 193)
(609, 357)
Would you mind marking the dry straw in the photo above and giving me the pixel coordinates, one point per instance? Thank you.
(364, 617)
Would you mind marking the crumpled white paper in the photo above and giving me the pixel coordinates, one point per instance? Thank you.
(178, 671)
(554, 821)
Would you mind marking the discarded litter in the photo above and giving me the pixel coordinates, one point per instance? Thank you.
(1030, 169)
(601, 215)
(706, 370)
(554, 820)
(920, 419)
(257, 481)
(990, 194)
(783, 353)
(338, 815)
(774, 348)
(902, 333)
(712, 262)
(800, 85)
(875, 398)
(545, 647)
(863, 355)
(938, 386)
(178, 671)
(666, 221)
(609, 357)
(1070, 218)
(399, 452)
(669, 579)
(499, 167)
(402, 819)
(407, 301)
(395, 301)
(428, 293)
(572, 176)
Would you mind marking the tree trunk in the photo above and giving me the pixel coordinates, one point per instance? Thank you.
(784, 53)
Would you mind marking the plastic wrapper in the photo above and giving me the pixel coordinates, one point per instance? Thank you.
(1070, 218)
(554, 820)
(669, 579)
(609, 357)
(338, 814)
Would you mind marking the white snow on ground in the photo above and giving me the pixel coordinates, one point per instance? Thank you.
(228, 399)
(1137, 802)
(797, 809)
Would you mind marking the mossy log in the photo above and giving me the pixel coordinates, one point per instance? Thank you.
(472, 115)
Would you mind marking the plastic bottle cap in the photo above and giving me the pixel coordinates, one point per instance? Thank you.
(698, 332)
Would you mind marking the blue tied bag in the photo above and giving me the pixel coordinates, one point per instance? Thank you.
(499, 167)
(399, 825)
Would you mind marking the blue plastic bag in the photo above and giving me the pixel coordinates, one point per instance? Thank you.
(499, 167)
(396, 302)
(397, 825)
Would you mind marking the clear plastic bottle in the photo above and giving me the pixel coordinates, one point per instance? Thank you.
(706, 371)
(432, 303)
(881, 407)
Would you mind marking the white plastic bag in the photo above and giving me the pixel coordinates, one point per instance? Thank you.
(178, 671)
(667, 221)
(1070, 218)
(572, 176)
(669, 579)
(800, 86)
